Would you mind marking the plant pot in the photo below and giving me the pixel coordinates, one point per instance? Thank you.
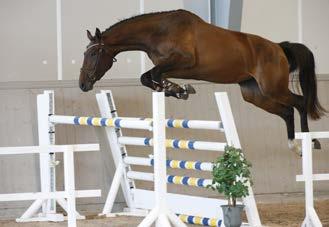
(232, 215)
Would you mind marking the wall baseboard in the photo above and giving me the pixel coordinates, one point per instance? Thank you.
(13, 85)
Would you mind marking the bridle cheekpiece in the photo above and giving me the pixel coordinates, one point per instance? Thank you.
(91, 72)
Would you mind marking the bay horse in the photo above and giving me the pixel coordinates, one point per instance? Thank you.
(181, 45)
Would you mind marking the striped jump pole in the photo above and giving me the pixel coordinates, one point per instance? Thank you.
(174, 143)
(186, 123)
(174, 164)
(171, 179)
(100, 122)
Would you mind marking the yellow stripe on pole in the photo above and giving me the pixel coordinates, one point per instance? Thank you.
(83, 120)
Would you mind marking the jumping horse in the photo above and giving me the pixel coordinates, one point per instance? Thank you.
(181, 45)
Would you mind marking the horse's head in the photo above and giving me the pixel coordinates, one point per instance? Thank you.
(98, 59)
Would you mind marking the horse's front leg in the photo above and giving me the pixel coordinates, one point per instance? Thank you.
(170, 88)
(146, 80)
(175, 90)
(162, 71)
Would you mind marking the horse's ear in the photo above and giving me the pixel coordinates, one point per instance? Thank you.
(90, 37)
(98, 34)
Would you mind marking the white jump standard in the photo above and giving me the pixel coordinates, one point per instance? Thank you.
(41, 197)
(184, 206)
(311, 217)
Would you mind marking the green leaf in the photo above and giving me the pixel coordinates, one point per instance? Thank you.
(231, 173)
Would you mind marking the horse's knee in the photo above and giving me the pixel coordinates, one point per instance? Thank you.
(146, 79)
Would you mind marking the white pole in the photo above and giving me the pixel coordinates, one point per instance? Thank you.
(59, 40)
(300, 21)
(209, 11)
(142, 10)
(69, 183)
(159, 135)
(114, 189)
(308, 171)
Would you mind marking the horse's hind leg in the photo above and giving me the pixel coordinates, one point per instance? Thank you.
(300, 105)
(275, 86)
(251, 93)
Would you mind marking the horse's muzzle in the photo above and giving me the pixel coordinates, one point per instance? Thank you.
(86, 86)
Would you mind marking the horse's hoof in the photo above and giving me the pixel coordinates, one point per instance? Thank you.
(316, 144)
(189, 89)
(158, 89)
(183, 96)
(293, 146)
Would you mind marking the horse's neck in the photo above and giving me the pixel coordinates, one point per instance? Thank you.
(127, 36)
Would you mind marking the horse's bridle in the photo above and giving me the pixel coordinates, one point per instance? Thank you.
(91, 72)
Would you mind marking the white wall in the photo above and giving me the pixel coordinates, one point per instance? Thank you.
(28, 36)
(277, 20)
(272, 19)
(316, 31)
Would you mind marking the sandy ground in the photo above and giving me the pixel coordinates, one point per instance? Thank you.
(277, 214)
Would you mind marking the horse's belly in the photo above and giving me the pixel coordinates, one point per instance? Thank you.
(224, 75)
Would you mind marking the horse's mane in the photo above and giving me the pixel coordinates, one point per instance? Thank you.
(138, 16)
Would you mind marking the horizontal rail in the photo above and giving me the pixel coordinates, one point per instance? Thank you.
(179, 180)
(174, 143)
(101, 122)
(48, 149)
(185, 123)
(316, 177)
(174, 164)
(314, 135)
(48, 195)
(196, 220)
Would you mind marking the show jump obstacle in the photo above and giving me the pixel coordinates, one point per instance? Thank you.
(191, 209)
(311, 217)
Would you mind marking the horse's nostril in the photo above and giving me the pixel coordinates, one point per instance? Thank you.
(82, 86)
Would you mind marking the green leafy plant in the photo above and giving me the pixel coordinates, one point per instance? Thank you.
(231, 174)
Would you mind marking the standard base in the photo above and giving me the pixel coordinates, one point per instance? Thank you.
(31, 214)
(162, 218)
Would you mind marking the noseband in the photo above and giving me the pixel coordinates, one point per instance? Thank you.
(91, 72)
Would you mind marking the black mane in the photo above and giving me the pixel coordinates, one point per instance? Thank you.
(138, 16)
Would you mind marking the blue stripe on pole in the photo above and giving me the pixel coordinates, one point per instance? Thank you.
(152, 162)
(176, 143)
(200, 182)
(185, 123)
(182, 164)
(117, 123)
(170, 179)
(190, 219)
(76, 120)
(191, 144)
(89, 121)
(168, 163)
(197, 165)
(170, 123)
(147, 141)
(103, 121)
(205, 221)
(185, 180)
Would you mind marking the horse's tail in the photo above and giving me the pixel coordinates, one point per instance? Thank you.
(301, 58)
